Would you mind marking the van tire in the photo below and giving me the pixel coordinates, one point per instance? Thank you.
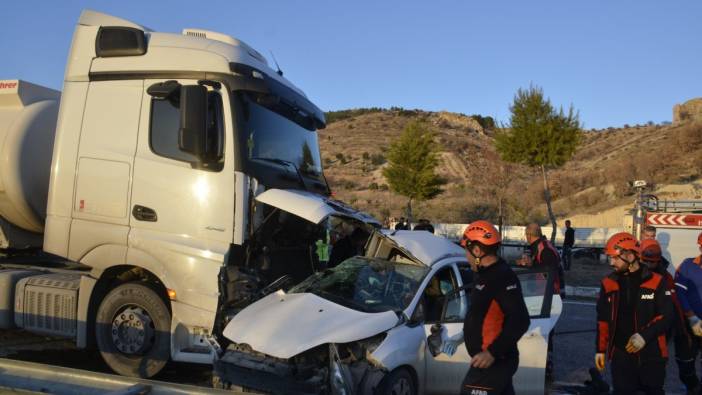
(398, 382)
(133, 330)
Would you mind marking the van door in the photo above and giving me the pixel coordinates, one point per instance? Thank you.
(181, 216)
(445, 373)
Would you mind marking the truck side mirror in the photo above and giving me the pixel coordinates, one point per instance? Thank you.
(192, 135)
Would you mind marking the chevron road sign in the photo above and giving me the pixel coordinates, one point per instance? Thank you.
(675, 220)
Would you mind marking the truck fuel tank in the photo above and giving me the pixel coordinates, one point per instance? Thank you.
(8, 281)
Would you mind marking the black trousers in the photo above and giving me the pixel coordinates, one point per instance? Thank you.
(566, 257)
(629, 375)
(495, 380)
(687, 347)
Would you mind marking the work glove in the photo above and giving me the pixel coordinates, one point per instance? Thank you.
(635, 344)
(600, 361)
(449, 345)
(695, 325)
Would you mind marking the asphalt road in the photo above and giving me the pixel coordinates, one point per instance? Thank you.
(574, 348)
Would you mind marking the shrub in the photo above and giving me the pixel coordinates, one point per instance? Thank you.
(341, 158)
(373, 186)
(377, 159)
(487, 123)
(335, 116)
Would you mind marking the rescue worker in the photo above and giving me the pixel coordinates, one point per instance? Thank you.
(633, 314)
(497, 319)
(649, 233)
(688, 283)
(542, 252)
(651, 256)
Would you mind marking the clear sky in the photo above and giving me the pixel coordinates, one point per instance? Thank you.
(617, 62)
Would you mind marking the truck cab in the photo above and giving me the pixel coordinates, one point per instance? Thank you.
(162, 145)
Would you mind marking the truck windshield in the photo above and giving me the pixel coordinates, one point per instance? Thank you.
(367, 284)
(272, 133)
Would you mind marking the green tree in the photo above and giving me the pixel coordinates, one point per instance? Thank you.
(539, 136)
(412, 161)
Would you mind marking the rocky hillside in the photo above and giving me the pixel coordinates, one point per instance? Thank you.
(354, 143)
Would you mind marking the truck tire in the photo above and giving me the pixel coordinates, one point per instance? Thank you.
(133, 330)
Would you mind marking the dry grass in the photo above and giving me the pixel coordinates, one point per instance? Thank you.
(595, 180)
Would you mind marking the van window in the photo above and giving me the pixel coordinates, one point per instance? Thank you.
(442, 284)
(165, 125)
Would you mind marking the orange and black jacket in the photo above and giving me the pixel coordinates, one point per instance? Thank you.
(544, 253)
(679, 321)
(498, 316)
(650, 317)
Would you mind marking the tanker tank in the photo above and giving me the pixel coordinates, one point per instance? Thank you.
(28, 115)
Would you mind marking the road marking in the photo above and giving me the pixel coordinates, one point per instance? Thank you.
(579, 303)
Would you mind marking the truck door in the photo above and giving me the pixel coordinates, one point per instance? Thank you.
(181, 216)
(108, 139)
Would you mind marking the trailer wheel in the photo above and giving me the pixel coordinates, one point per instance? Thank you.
(133, 330)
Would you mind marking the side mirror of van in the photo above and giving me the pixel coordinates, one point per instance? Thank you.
(192, 135)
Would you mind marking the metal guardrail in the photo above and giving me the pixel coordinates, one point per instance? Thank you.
(673, 206)
(514, 235)
(36, 378)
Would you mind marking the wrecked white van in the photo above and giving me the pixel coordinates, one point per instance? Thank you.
(365, 326)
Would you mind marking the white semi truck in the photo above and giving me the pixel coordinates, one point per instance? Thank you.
(173, 179)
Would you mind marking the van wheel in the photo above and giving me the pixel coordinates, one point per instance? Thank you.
(399, 382)
(133, 330)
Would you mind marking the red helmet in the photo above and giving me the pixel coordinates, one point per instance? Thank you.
(650, 250)
(482, 232)
(621, 241)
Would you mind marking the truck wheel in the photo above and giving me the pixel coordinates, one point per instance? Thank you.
(133, 330)
(398, 382)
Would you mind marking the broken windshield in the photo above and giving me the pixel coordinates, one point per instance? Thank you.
(367, 284)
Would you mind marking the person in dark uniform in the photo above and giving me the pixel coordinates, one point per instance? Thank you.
(634, 311)
(497, 319)
(568, 242)
(424, 224)
(402, 224)
(348, 247)
(543, 253)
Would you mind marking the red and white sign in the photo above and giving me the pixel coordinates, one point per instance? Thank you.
(675, 220)
(8, 84)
